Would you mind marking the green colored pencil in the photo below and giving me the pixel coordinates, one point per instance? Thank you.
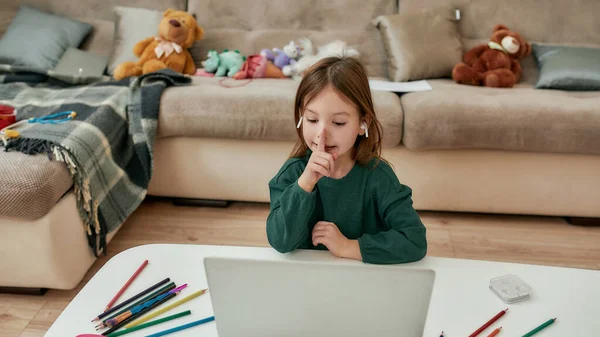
(540, 328)
(136, 303)
(151, 323)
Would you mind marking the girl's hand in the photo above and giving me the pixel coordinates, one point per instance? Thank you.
(321, 164)
(329, 235)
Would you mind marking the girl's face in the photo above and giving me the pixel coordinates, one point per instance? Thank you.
(339, 119)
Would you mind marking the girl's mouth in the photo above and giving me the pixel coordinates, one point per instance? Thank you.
(328, 148)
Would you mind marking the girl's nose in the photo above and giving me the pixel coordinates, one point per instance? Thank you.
(322, 133)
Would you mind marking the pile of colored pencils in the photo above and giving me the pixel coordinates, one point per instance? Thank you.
(137, 310)
(129, 313)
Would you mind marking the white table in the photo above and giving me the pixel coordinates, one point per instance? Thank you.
(461, 300)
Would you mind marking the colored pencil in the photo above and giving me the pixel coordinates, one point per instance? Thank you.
(118, 319)
(120, 305)
(165, 309)
(160, 291)
(126, 285)
(149, 324)
(540, 328)
(488, 323)
(138, 315)
(183, 327)
(495, 332)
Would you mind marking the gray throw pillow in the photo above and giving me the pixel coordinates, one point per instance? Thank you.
(567, 68)
(131, 26)
(39, 39)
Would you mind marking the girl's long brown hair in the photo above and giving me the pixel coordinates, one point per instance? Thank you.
(349, 79)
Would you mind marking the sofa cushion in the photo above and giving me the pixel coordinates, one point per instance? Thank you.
(262, 109)
(556, 21)
(93, 9)
(98, 13)
(131, 26)
(30, 185)
(100, 40)
(250, 26)
(453, 116)
(420, 44)
(47, 38)
(567, 68)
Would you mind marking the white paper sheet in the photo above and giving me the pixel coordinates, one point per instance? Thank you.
(411, 86)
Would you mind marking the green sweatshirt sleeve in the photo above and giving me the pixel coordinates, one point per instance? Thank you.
(403, 238)
(290, 211)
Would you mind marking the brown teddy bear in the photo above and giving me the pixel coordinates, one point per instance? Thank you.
(177, 32)
(495, 64)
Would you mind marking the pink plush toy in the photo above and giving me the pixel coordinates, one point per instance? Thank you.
(257, 66)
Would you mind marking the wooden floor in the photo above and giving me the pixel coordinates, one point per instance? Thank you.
(526, 239)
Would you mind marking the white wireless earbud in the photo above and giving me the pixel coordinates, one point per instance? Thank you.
(299, 122)
(364, 127)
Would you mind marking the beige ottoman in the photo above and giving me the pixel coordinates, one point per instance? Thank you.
(42, 242)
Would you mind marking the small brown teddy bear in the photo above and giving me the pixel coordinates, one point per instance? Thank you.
(177, 30)
(495, 64)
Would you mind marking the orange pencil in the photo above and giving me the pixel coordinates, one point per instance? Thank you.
(126, 285)
(495, 332)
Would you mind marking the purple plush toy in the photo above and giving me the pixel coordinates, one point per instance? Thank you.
(281, 58)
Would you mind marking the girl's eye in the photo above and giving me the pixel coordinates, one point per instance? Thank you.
(311, 120)
(339, 123)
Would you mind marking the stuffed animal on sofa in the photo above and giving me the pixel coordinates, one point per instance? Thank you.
(286, 56)
(178, 30)
(227, 63)
(495, 64)
(333, 48)
(257, 66)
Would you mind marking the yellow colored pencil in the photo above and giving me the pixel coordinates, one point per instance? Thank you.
(165, 309)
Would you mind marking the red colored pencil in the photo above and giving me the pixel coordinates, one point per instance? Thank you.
(126, 285)
(486, 325)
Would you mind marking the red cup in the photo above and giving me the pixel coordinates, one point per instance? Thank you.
(7, 116)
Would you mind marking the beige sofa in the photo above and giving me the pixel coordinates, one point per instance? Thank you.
(513, 151)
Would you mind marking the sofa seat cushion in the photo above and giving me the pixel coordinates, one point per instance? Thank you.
(30, 185)
(262, 109)
(523, 118)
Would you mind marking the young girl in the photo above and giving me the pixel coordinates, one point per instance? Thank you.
(335, 191)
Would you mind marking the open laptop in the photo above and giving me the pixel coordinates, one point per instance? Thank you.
(258, 298)
(77, 62)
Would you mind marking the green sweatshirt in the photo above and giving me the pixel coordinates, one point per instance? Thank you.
(368, 204)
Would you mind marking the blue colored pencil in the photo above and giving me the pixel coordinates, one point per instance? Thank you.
(183, 327)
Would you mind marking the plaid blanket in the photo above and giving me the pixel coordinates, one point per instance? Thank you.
(107, 146)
